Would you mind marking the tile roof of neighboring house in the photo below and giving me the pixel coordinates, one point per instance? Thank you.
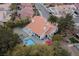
(39, 26)
(27, 10)
(26, 5)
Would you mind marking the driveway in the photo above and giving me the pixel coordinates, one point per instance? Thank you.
(76, 20)
(42, 10)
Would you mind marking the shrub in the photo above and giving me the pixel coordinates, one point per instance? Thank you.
(38, 50)
(17, 23)
(57, 37)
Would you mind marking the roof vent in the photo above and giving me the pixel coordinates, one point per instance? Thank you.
(44, 27)
(33, 21)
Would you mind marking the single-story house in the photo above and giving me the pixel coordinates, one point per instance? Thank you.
(62, 10)
(77, 5)
(40, 27)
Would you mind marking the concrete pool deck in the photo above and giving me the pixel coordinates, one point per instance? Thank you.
(23, 35)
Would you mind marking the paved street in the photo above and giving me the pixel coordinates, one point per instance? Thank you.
(76, 20)
(42, 10)
(72, 50)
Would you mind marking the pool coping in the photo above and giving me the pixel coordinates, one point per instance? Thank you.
(28, 39)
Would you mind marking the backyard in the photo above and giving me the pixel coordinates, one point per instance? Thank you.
(27, 36)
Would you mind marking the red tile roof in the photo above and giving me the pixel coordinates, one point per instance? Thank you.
(26, 5)
(27, 10)
(39, 26)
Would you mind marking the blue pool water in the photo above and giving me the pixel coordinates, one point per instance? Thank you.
(28, 41)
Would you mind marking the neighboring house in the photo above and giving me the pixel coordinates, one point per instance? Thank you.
(62, 10)
(56, 11)
(77, 7)
(76, 19)
(26, 10)
(40, 27)
(4, 12)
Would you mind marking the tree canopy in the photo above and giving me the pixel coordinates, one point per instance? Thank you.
(17, 23)
(52, 19)
(57, 37)
(38, 50)
(7, 39)
(66, 24)
(13, 6)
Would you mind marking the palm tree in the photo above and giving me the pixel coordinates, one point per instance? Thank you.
(52, 19)
(66, 25)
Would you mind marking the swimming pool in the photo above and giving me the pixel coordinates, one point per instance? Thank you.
(28, 41)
